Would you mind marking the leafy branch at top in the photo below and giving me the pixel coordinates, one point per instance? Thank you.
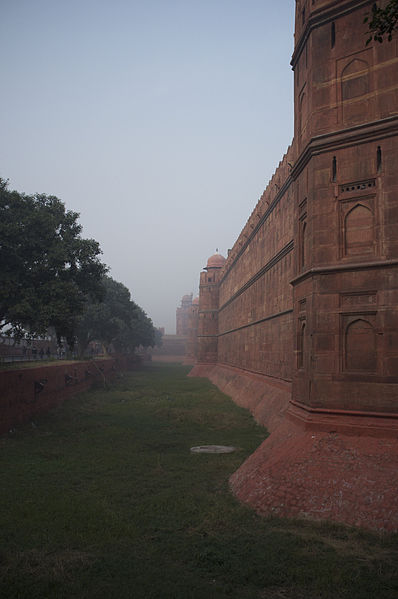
(383, 21)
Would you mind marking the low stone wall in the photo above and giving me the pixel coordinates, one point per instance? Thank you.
(26, 392)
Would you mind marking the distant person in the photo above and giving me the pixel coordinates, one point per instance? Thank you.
(48, 353)
(41, 353)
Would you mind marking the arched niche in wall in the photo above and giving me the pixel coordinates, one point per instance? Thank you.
(304, 245)
(355, 89)
(358, 231)
(355, 79)
(301, 345)
(360, 350)
(303, 113)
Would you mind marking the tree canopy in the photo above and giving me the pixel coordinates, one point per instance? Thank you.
(47, 270)
(50, 277)
(116, 320)
(383, 21)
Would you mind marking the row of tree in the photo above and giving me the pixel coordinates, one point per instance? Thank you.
(52, 278)
(116, 320)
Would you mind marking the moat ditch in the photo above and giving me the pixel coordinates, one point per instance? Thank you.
(102, 497)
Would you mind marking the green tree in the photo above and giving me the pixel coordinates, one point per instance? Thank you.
(47, 270)
(116, 320)
(383, 21)
(142, 329)
(158, 338)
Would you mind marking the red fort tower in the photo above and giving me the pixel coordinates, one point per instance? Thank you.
(208, 310)
(192, 341)
(182, 316)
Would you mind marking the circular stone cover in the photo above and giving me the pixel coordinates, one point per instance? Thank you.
(212, 449)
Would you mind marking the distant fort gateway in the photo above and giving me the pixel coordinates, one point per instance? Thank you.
(300, 323)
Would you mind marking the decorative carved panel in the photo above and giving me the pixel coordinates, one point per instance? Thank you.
(357, 186)
(353, 300)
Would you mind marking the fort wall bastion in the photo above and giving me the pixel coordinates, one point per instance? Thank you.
(300, 323)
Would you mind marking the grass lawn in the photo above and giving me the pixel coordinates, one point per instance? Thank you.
(101, 498)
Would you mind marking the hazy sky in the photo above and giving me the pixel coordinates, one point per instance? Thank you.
(159, 121)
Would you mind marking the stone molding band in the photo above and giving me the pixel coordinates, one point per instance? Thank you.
(321, 17)
(270, 264)
(352, 136)
(325, 270)
(252, 324)
(261, 221)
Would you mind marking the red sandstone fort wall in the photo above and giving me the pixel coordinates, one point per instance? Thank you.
(309, 292)
(246, 308)
(255, 297)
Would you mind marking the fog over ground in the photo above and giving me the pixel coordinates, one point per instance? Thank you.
(159, 121)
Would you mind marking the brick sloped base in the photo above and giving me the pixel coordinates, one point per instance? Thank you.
(323, 476)
(320, 465)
